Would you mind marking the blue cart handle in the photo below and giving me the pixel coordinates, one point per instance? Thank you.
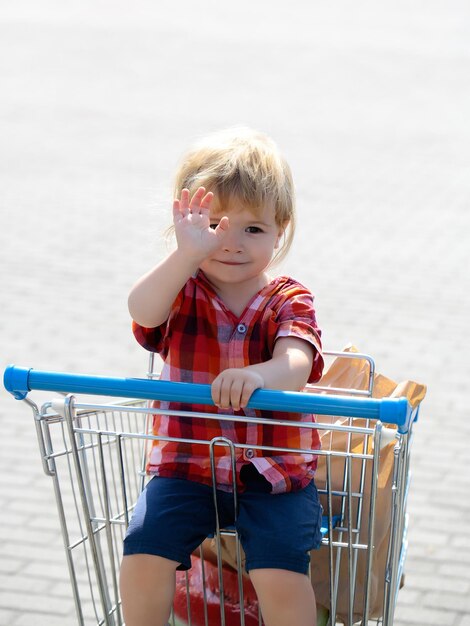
(20, 380)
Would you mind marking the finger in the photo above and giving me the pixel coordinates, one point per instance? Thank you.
(248, 389)
(206, 202)
(184, 202)
(195, 204)
(176, 211)
(225, 387)
(215, 391)
(236, 394)
(222, 227)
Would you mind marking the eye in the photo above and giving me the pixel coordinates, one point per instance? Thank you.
(254, 229)
(214, 225)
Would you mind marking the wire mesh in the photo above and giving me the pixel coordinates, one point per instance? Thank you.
(96, 454)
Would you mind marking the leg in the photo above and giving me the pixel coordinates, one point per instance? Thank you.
(286, 598)
(170, 520)
(277, 533)
(147, 585)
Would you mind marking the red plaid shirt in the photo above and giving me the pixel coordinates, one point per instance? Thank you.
(201, 338)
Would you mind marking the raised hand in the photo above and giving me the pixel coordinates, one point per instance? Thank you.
(191, 217)
(153, 294)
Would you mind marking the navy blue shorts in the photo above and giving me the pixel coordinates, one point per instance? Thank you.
(173, 516)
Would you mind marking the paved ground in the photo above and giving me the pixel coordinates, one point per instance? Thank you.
(370, 103)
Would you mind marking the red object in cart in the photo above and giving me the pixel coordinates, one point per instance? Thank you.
(231, 601)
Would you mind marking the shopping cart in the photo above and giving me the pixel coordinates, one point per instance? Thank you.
(95, 454)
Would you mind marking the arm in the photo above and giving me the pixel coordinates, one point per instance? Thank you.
(153, 294)
(288, 369)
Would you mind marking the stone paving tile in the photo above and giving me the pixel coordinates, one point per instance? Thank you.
(451, 601)
(36, 603)
(41, 553)
(419, 616)
(378, 140)
(451, 584)
(8, 617)
(46, 619)
(19, 583)
(10, 565)
(453, 569)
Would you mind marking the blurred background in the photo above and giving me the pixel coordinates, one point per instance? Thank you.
(369, 102)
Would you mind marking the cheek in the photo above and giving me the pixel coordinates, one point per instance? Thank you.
(266, 252)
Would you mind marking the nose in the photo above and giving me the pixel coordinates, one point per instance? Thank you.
(232, 241)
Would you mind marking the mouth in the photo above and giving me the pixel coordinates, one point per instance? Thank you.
(231, 262)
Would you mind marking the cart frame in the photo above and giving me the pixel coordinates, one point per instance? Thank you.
(99, 450)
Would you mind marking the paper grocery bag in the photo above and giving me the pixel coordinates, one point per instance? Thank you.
(353, 373)
(350, 373)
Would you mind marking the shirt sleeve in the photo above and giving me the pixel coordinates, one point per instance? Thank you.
(149, 338)
(296, 318)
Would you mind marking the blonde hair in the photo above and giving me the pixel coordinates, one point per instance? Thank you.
(247, 165)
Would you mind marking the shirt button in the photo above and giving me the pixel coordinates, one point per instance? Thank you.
(249, 454)
(241, 328)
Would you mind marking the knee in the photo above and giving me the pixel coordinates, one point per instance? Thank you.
(146, 570)
(147, 585)
(285, 597)
(277, 582)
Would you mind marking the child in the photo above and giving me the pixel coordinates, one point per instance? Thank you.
(215, 316)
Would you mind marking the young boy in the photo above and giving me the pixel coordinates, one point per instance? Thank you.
(215, 316)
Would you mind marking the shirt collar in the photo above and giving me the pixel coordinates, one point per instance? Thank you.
(203, 282)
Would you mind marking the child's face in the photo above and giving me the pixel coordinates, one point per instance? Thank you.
(247, 248)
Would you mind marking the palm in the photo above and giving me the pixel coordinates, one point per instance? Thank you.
(192, 224)
(194, 230)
